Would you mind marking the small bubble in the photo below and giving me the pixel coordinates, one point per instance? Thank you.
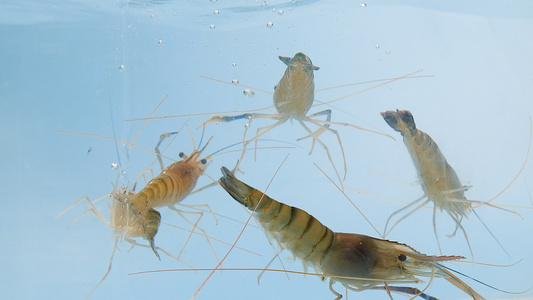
(233, 64)
(248, 92)
(363, 4)
(160, 42)
(216, 12)
(270, 24)
(212, 26)
(234, 110)
(152, 16)
(264, 3)
(235, 81)
(149, 10)
(216, 123)
(273, 10)
(377, 46)
(280, 12)
(114, 166)
(121, 67)
(247, 125)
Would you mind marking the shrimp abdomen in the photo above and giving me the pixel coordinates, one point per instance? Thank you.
(293, 228)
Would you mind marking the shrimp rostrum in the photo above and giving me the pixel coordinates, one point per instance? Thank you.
(358, 262)
(438, 179)
(293, 98)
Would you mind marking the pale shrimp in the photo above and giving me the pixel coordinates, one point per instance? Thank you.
(438, 179)
(358, 262)
(125, 224)
(293, 98)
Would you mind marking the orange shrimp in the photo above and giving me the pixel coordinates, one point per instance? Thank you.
(356, 261)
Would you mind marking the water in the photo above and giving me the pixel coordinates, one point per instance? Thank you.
(87, 67)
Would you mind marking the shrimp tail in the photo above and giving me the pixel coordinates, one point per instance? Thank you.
(151, 226)
(299, 57)
(400, 120)
(240, 191)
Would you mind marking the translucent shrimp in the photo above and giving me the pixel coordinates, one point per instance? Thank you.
(125, 224)
(293, 98)
(438, 179)
(356, 261)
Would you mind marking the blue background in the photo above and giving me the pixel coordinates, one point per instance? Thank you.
(87, 66)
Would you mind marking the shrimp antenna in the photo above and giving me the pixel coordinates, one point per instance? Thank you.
(483, 283)
(202, 137)
(523, 165)
(492, 234)
(353, 204)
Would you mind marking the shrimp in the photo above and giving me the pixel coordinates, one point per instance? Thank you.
(438, 179)
(356, 261)
(125, 224)
(293, 97)
(170, 187)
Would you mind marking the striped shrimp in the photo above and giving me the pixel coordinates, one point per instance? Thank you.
(438, 179)
(170, 187)
(358, 262)
(293, 98)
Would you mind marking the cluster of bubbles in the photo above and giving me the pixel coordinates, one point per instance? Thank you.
(248, 92)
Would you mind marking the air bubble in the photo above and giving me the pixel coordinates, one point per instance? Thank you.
(216, 12)
(233, 64)
(363, 4)
(235, 81)
(121, 67)
(280, 12)
(246, 125)
(270, 24)
(160, 42)
(212, 26)
(114, 166)
(248, 92)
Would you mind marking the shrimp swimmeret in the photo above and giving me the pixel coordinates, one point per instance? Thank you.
(358, 262)
(438, 179)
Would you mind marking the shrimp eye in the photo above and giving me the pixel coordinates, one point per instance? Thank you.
(402, 257)
(181, 154)
(203, 161)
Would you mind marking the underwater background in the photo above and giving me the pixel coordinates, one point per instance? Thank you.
(89, 66)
